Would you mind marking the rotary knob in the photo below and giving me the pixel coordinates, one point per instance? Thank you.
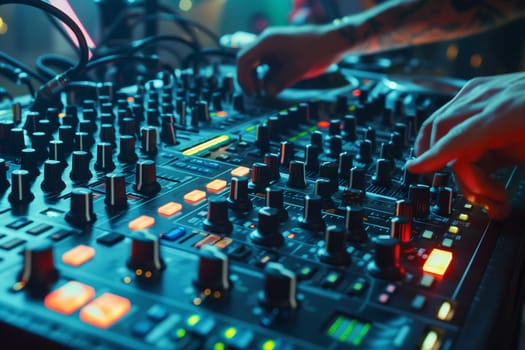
(80, 166)
(127, 153)
(286, 153)
(354, 226)
(81, 211)
(401, 229)
(443, 206)
(218, 220)
(213, 270)
(28, 162)
(145, 258)
(39, 272)
(312, 218)
(149, 140)
(296, 176)
(66, 135)
(146, 178)
(107, 134)
(116, 191)
(386, 264)
(420, 197)
(262, 137)
(365, 152)
(238, 199)
(4, 183)
(52, 182)
(168, 133)
(21, 189)
(267, 233)
(382, 174)
(280, 288)
(272, 161)
(104, 161)
(334, 251)
(274, 199)
(260, 177)
(346, 161)
(311, 157)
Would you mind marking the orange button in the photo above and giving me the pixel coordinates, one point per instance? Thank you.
(105, 310)
(78, 255)
(141, 223)
(240, 171)
(194, 196)
(216, 186)
(438, 261)
(69, 298)
(169, 209)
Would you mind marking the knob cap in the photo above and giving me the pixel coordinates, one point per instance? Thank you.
(365, 152)
(312, 218)
(286, 153)
(66, 135)
(335, 146)
(334, 251)
(443, 206)
(21, 189)
(213, 272)
(322, 188)
(127, 153)
(349, 128)
(168, 133)
(56, 152)
(149, 140)
(272, 161)
(145, 258)
(146, 178)
(311, 157)
(274, 199)
(382, 174)
(262, 137)
(104, 161)
(296, 177)
(386, 264)
(401, 229)
(405, 208)
(354, 226)
(260, 177)
(217, 220)
(267, 232)
(238, 199)
(280, 288)
(4, 183)
(39, 272)
(52, 182)
(81, 210)
(80, 166)
(107, 134)
(346, 161)
(28, 162)
(39, 142)
(116, 191)
(329, 171)
(420, 197)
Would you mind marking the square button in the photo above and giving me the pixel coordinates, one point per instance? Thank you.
(69, 298)
(105, 310)
(216, 186)
(427, 234)
(453, 229)
(141, 223)
(240, 171)
(169, 209)
(194, 197)
(78, 255)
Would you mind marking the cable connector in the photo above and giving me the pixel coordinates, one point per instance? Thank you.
(49, 94)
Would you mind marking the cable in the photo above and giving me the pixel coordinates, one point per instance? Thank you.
(44, 62)
(14, 62)
(16, 76)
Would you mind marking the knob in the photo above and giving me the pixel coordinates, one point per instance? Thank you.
(443, 206)
(146, 178)
(145, 259)
(39, 142)
(330, 171)
(65, 134)
(217, 220)
(104, 161)
(272, 161)
(334, 127)
(149, 140)
(216, 100)
(401, 128)
(267, 232)
(349, 128)
(274, 199)
(357, 179)
(311, 157)
(382, 174)
(260, 177)
(152, 115)
(404, 207)
(202, 111)
(81, 211)
(334, 251)
(322, 188)
(52, 182)
(39, 272)
(213, 271)
(365, 152)
(312, 218)
(21, 189)
(386, 264)
(89, 128)
(262, 137)
(401, 229)
(296, 177)
(370, 135)
(83, 142)
(335, 146)
(80, 166)
(28, 162)
(316, 139)
(238, 199)
(354, 226)
(238, 102)
(56, 152)
(4, 183)
(420, 197)
(116, 191)
(286, 152)
(387, 152)
(409, 178)
(180, 108)
(303, 115)
(280, 288)
(274, 128)
(168, 133)
(127, 150)
(346, 161)
(16, 141)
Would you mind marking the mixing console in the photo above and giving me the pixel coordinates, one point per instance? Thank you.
(181, 214)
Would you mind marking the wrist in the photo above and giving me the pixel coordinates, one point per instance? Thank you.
(344, 34)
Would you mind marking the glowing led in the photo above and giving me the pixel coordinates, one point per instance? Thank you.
(185, 5)
(445, 311)
(463, 217)
(78, 255)
(215, 142)
(192, 320)
(216, 186)
(141, 223)
(438, 261)
(240, 171)
(69, 298)
(180, 333)
(222, 114)
(356, 92)
(105, 310)
(268, 345)
(453, 229)
(431, 341)
(230, 332)
(323, 124)
(169, 209)
(219, 346)
(194, 196)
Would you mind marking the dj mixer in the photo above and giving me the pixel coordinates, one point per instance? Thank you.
(180, 214)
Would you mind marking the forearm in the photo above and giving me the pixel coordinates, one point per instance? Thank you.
(401, 23)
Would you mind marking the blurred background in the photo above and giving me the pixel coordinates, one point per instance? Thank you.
(26, 33)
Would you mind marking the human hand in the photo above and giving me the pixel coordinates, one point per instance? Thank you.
(480, 130)
(291, 54)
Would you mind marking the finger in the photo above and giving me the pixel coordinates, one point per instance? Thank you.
(248, 60)
(461, 141)
(477, 181)
(277, 78)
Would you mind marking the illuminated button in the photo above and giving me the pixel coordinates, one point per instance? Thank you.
(268, 345)
(237, 338)
(169, 209)
(426, 281)
(216, 186)
(323, 124)
(306, 272)
(453, 229)
(427, 234)
(240, 171)
(69, 298)
(463, 217)
(438, 261)
(431, 341)
(383, 298)
(418, 303)
(105, 310)
(445, 311)
(141, 223)
(358, 287)
(194, 197)
(467, 206)
(223, 243)
(332, 279)
(447, 242)
(78, 255)
(199, 324)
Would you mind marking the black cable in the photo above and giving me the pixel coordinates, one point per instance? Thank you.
(16, 76)
(14, 62)
(44, 62)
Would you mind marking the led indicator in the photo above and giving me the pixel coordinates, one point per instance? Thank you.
(222, 114)
(240, 171)
(230, 332)
(194, 196)
(431, 341)
(438, 262)
(216, 186)
(192, 320)
(445, 311)
(268, 345)
(78, 255)
(141, 223)
(169, 209)
(69, 298)
(323, 124)
(215, 142)
(105, 310)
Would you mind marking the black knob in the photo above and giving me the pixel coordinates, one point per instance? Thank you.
(180, 108)
(272, 161)
(21, 189)
(404, 207)
(52, 182)
(81, 211)
(401, 128)
(401, 229)
(443, 206)
(216, 100)
(56, 152)
(127, 150)
(311, 157)
(83, 142)
(66, 135)
(146, 178)
(4, 183)
(354, 226)
(168, 133)
(274, 199)
(346, 161)
(382, 174)
(39, 142)
(128, 127)
(296, 176)
(386, 264)
(274, 128)
(238, 199)
(365, 152)
(89, 128)
(312, 218)
(335, 146)
(268, 233)
(329, 171)
(16, 141)
(316, 139)
(334, 251)
(116, 191)
(32, 118)
(323, 189)
(409, 178)
(280, 288)
(28, 162)
(334, 128)
(152, 116)
(145, 258)
(357, 179)
(217, 220)
(349, 128)
(262, 137)
(213, 272)
(104, 161)
(303, 114)
(387, 152)
(107, 134)
(260, 177)
(39, 272)
(286, 153)
(202, 111)
(420, 197)
(80, 166)
(149, 140)
(370, 135)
